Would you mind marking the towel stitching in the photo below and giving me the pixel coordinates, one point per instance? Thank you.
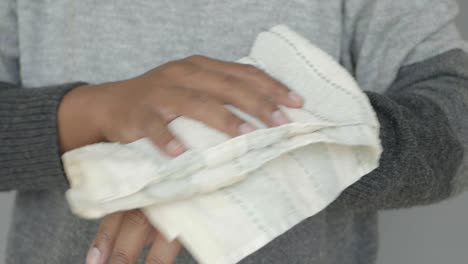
(249, 212)
(262, 67)
(312, 66)
(321, 75)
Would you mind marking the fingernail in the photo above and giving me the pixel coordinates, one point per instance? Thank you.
(94, 256)
(246, 128)
(295, 97)
(279, 118)
(175, 147)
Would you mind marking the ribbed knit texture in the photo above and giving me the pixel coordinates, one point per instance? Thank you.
(29, 152)
(423, 150)
(423, 121)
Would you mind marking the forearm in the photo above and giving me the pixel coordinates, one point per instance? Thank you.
(423, 119)
(29, 149)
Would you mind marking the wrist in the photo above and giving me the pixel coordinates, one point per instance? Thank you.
(78, 118)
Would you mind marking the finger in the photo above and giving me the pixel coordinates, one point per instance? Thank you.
(232, 90)
(166, 115)
(157, 130)
(151, 237)
(131, 239)
(162, 251)
(204, 108)
(102, 245)
(261, 81)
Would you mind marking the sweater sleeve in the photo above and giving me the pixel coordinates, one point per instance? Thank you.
(413, 58)
(424, 131)
(29, 156)
(29, 151)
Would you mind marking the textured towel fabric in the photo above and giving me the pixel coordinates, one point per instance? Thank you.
(421, 107)
(260, 183)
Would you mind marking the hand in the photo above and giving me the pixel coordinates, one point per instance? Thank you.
(197, 87)
(124, 111)
(122, 237)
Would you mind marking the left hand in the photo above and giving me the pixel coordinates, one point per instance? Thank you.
(122, 237)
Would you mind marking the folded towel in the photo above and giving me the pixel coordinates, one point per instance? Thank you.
(227, 197)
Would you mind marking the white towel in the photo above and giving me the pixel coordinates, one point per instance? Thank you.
(226, 198)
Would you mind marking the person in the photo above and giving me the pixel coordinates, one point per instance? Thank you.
(79, 72)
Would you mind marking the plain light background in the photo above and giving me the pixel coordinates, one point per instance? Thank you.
(429, 235)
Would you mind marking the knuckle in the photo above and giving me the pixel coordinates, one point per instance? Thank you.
(250, 69)
(103, 237)
(130, 134)
(198, 97)
(159, 133)
(180, 67)
(230, 121)
(161, 139)
(154, 127)
(264, 108)
(170, 67)
(136, 217)
(155, 260)
(269, 99)
(278, 88)
(120, 257)
(199, 110)
(195, 58)
(230, 79)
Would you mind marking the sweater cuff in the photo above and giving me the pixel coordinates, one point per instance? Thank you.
(29, 150)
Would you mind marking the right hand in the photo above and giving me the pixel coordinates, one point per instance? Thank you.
(197, 87)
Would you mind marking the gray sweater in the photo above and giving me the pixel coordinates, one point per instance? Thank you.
(406, 55)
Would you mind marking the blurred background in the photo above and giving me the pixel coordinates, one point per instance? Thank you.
(427, 235)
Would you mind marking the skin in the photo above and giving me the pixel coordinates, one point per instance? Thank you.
(122, 236)
(197, 87)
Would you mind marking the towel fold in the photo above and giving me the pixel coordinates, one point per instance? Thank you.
(227, 197)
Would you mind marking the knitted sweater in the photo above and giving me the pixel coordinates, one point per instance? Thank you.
(407, 56)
